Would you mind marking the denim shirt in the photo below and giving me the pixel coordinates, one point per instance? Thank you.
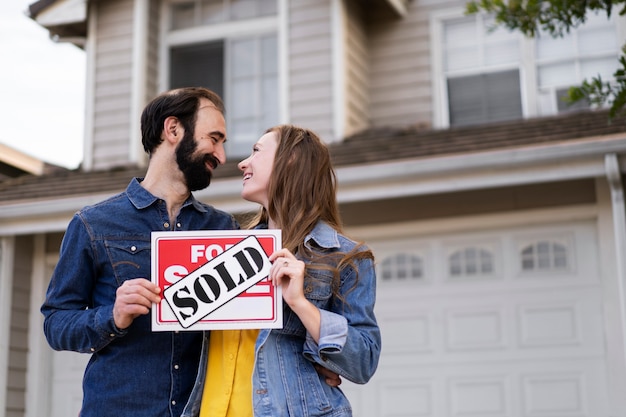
(285, 382)
(133, 371)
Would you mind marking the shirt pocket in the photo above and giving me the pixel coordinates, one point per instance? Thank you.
(318, 287)
(129, 259)
(318, 290)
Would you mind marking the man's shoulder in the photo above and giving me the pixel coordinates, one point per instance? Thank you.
(113, 202)
(221, 217)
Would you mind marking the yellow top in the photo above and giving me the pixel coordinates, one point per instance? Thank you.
(228, 383)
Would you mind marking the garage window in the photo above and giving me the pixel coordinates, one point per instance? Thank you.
(471, 262)
(402, 267)
(544, 256)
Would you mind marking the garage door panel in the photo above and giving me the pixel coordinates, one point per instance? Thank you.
(415, 327)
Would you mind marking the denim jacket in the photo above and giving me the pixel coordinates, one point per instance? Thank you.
(285, 382)
(133, 371)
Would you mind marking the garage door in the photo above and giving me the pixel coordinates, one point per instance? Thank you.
(507, 322)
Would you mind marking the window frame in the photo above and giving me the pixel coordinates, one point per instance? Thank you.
(528, 68)
(225, 32)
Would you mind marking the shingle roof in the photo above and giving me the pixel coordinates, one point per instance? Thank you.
(391, 144)
(373, 145)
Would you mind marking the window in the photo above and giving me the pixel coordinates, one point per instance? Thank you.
(482, 72)
(584, 53)
(402, 267)
(231, 47)
(471, 262)
(484, 98)
(489, 75)
(544, 256)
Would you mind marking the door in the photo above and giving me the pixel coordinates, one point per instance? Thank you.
(496, 323)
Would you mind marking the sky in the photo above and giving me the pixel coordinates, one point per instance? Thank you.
(42, 89)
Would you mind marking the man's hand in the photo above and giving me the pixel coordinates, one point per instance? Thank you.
(332, 379)
(132, 299)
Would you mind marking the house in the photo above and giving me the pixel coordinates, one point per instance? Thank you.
(495, 211)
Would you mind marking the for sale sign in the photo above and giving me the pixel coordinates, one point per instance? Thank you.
(215, 280)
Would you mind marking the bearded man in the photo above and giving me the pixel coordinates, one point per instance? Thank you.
(100, 292)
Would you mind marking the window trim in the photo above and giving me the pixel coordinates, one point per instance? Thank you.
(277, 24)
(528, 67)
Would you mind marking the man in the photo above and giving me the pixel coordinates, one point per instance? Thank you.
(100, 293)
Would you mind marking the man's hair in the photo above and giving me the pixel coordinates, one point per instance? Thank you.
(182, 103)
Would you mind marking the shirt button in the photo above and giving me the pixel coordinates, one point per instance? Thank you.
(231, 356)
(173, 402)
(111, 335)
(93, 349)
(178, 225)
(166, 225)
(133, 248)
(175, 366)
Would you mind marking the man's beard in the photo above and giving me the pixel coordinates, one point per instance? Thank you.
(197, 175)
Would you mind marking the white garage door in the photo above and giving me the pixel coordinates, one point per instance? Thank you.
(487, 324)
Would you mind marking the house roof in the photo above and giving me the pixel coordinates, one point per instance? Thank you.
(367, 147)
(392, 144)
(64, 19)
(14, 163)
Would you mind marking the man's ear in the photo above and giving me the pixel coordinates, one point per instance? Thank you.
(172, 129)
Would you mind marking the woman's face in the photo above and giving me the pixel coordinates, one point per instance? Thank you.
(257, 169)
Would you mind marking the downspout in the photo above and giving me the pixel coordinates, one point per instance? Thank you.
(337, 13)
(614, 178)
(7, 264)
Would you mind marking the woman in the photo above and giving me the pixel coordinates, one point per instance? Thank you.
(328, 286)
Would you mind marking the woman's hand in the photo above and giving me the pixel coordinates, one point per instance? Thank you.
(288, 272)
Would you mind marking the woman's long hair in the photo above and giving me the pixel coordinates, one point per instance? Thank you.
(303, 190)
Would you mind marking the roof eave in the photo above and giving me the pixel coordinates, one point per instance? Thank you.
(65, 20)
(583, 158)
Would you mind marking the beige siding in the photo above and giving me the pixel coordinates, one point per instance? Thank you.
(112, 93)
(401, 83)
(357, 69)
(18, 343)
(388, 80)
(310, 65)
(469, 203)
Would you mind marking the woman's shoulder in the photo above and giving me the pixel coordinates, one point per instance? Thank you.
(329, 237)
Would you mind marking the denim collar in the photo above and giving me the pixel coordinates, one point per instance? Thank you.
(323, 235)
(142, 198)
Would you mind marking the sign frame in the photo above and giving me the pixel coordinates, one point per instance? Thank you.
(179, 257)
